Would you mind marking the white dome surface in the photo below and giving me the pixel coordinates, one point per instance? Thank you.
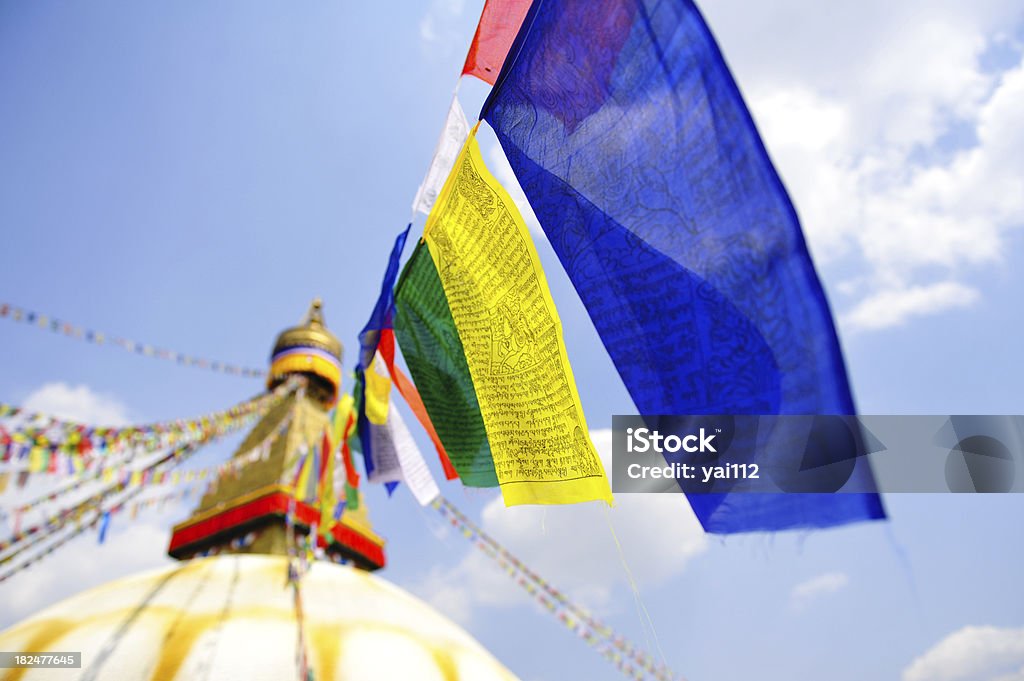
(233, 617)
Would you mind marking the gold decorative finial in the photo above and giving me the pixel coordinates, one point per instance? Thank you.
(315, 316)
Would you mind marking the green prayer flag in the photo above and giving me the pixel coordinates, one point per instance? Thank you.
(430, 343)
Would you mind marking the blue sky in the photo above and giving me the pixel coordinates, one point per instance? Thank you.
(192, 174)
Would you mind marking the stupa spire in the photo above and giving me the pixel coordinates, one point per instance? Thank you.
(246, 513)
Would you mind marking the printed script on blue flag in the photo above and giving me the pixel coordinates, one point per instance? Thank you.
(643, 165)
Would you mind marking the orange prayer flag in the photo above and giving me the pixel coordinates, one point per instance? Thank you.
(408, 391)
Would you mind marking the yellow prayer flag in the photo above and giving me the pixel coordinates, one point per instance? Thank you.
(327, 497)
(512, 338)
(378, 391)
(36, 461)
(302, 479)
(342, 412)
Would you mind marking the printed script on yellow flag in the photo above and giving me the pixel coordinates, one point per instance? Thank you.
(512, 338)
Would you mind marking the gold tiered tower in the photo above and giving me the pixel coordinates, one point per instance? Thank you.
(246, 513)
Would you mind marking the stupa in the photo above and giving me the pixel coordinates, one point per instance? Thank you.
(227, 610)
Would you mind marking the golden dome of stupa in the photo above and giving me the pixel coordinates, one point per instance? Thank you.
(308, 349)
(233, 617)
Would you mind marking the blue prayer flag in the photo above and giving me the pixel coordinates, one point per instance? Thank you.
(641, 161)
(104, 526)
(382, 317)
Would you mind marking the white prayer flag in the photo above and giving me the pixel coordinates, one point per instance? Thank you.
(456, 129)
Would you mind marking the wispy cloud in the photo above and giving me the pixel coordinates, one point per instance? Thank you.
(892, 307)
(812, 589)
(77, 403)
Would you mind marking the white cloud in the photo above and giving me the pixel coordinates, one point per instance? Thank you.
(77, 403)
(822, 585)
(974, 653)
(898, 147)
(573, 547)
(893, 307)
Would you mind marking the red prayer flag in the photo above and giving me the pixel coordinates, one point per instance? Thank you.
(325, 453)
(499, 24)
(351, 475)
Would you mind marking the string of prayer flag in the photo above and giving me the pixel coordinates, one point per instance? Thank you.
(24, 538)
(627, 657)
(79, 528)
(42, 321)
(157, 437)
(154, 472)
(37, 438)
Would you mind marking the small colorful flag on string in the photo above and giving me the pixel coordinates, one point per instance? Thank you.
(98, 338)
(344, 425)
(104, 526)
(303, 471)
(327, 498)
(308, 491)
